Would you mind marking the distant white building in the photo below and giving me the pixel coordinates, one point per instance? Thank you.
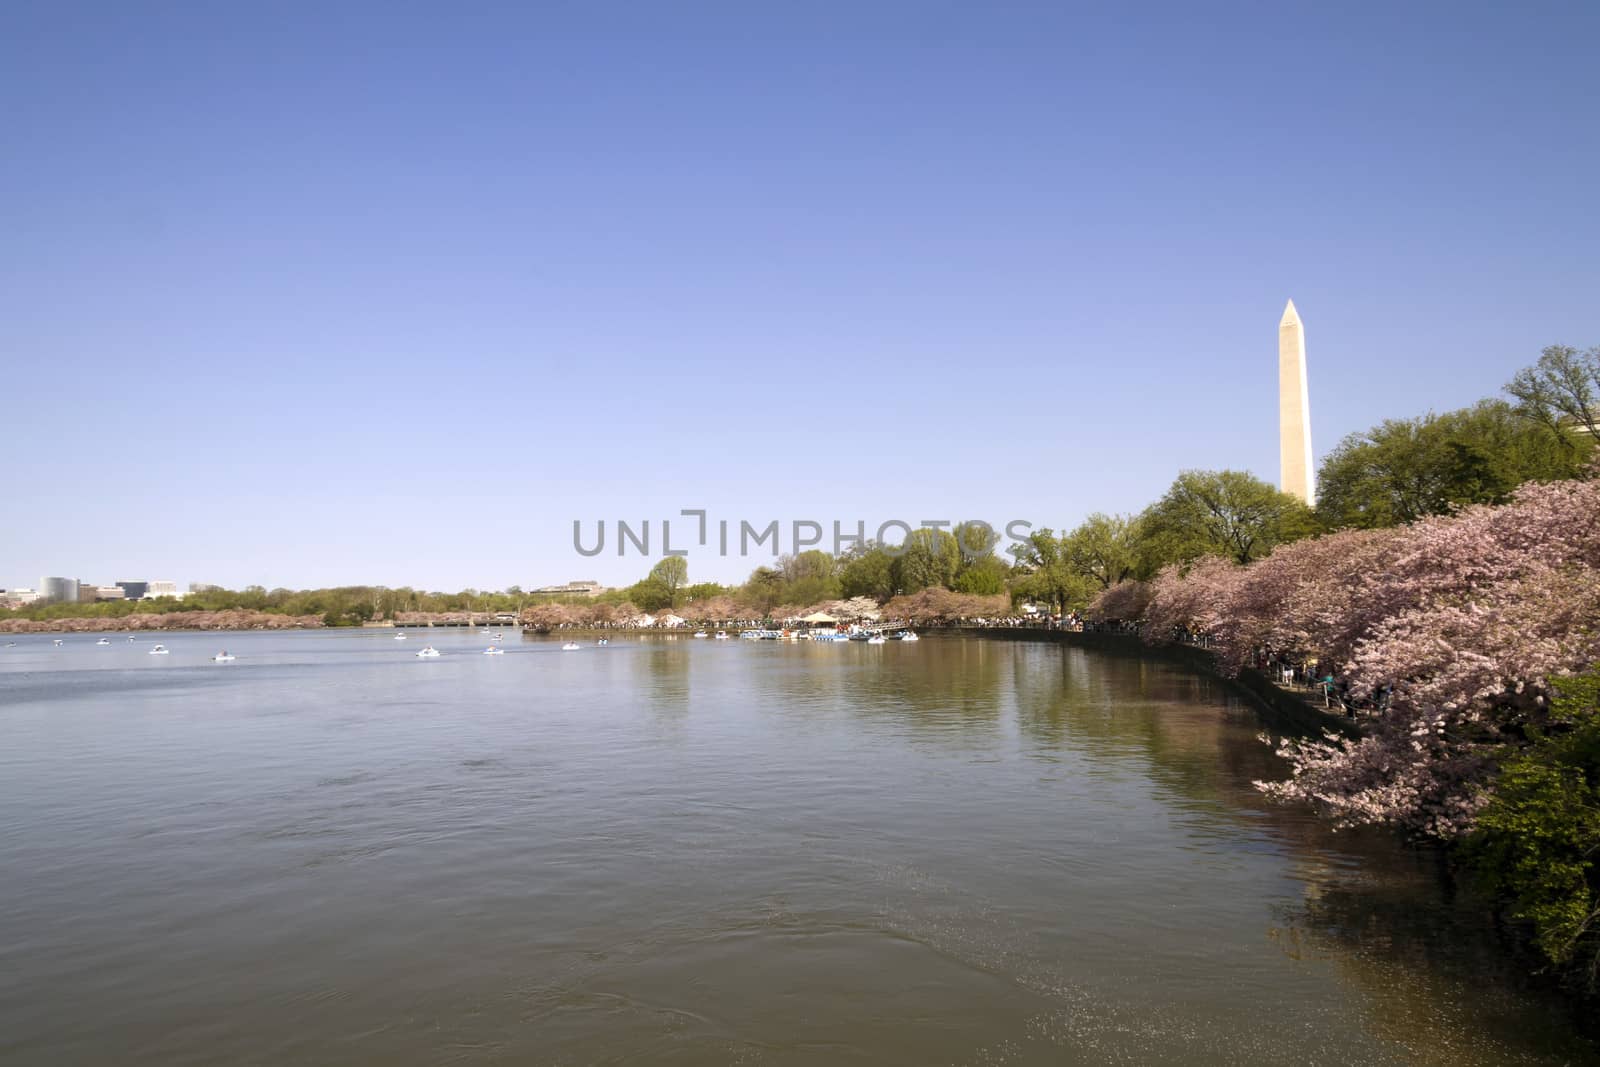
(570, 589)
(158, 588)
(59, 590)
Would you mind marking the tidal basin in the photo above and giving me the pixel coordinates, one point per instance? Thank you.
(958, 851)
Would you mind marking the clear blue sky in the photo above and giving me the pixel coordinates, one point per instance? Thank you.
(266, 269)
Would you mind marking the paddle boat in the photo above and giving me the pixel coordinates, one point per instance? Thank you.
(570, 646)
(877, 639)
(222, 657)
(57, 642)
(399, 637)
(701, 633)
(603, 642)
(103, 641)
(428, 653)
(492, 651)
(159, 650)
(907, 635)
(722, 635)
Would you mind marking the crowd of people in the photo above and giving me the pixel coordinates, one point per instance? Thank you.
(1071, 620)
(1307, 674)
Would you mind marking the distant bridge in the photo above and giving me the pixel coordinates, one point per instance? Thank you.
(487, 622)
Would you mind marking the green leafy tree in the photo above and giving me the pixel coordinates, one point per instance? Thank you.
(984, 576)
(650, 594)
(868, 572)
(975, 540)
(1404, 469)
(978, 570)
(1219, 513)
(671, 574)
(1104, 548)
(928, 558)
(1048, 575)
(765, 588)
(809, 577)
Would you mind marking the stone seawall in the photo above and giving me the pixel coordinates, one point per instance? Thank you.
(1284, 706)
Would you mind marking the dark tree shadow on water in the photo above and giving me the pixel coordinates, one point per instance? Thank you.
(1439, 975)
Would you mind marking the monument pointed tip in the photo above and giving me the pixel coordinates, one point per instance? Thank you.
(1289, 313)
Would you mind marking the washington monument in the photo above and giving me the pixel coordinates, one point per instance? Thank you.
(1294, 409)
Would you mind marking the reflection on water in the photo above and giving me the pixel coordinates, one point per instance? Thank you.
(958, 851)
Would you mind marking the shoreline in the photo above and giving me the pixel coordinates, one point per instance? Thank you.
(1282, 705)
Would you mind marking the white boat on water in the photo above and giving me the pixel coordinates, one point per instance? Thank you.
(570, 646)
(428, 653)
(57, 642)
(222, 657)
(399, 637)
(159, 650)
(722, 635)
(877, 639)
(131, 639)
(103, 641)
(701, 633)
(492, 651)
(603, 642)
(907, 635)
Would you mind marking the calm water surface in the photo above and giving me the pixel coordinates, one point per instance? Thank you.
(694, 852)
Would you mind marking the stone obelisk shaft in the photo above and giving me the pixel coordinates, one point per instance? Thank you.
(1294, 409)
